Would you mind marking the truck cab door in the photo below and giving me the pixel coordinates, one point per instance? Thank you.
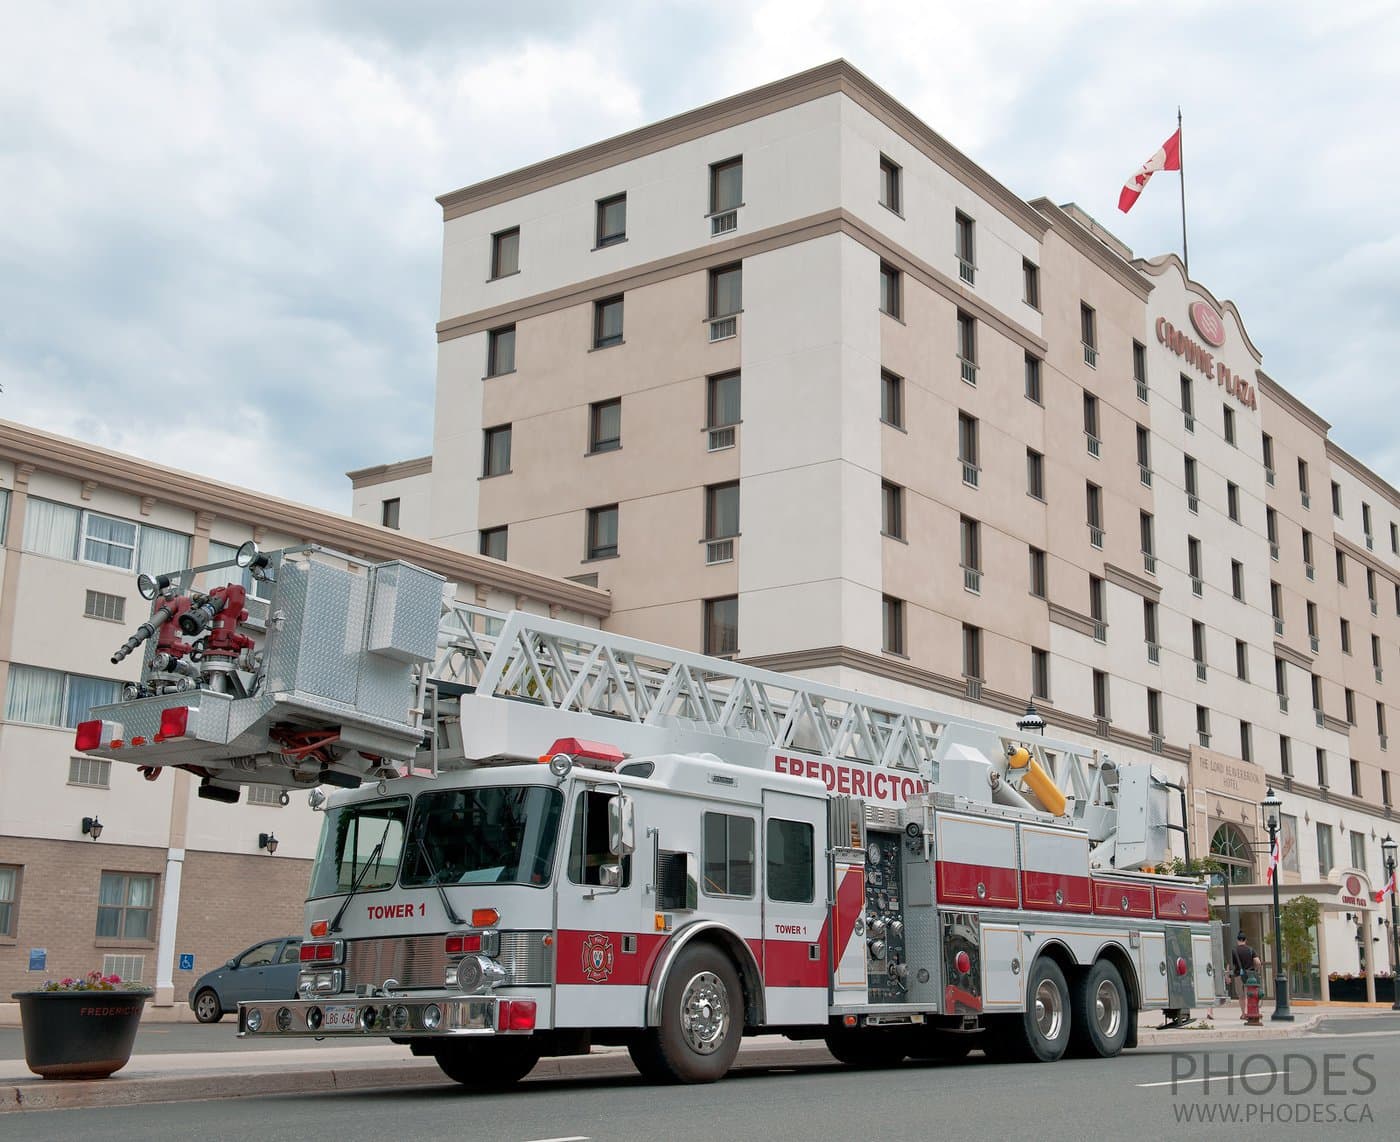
(796, 934)
(605, 940)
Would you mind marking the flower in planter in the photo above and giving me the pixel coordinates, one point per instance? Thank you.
(93, 981)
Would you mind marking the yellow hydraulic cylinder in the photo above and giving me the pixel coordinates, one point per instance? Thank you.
(1039, 782)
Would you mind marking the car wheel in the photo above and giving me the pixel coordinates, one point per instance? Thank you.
(207, 1008)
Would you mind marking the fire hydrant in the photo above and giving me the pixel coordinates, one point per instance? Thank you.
(1252, 1017)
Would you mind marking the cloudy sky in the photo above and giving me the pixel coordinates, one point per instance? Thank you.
(219, 247)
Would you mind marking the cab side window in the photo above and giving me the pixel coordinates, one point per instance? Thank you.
(261, 955)
(291, 953)
(791, 873)
(727, 856)
(588, 845)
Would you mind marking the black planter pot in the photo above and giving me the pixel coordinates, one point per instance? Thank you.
(79, 1034)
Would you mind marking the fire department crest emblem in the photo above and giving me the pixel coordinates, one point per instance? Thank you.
(597, 957)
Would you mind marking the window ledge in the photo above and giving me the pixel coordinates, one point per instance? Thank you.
(896, 427)
(896, 538)
(608, 245)
(502, 277)
(602, 451)
(895, 654)
(897, 213)
(601, 348)
(492, 376)
(893, 317)
(494, 475)
(126, 945)
(600, 558)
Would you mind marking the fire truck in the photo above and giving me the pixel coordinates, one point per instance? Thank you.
(542, 837)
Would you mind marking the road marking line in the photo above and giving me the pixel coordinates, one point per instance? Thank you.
(1218, 1078)
(570, 1138)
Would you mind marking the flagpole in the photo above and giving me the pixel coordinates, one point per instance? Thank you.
(1181, 153)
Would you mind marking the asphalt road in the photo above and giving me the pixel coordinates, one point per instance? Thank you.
(1334, 1084)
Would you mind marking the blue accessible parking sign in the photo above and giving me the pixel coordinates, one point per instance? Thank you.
(187, 961)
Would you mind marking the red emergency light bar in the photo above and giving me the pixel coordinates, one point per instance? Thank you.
(593, 755)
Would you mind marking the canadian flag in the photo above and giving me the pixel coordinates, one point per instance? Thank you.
(1167, 158)
(1388, 887)
(1274, 858)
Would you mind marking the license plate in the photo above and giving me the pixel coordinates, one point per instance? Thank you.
(339, 1017)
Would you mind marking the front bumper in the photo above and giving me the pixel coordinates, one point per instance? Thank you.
(378, 1017)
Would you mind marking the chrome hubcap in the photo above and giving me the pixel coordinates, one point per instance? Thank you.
(1108, 1010)
(1049, 1011)
(704, 1013)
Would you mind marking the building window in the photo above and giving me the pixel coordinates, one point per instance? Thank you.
(1101, 695)
(1093, 504)
(965, 246)
(972, 652)
(9, 900)
(93, 772)
(967, 347)
(1366, 524)
(1154, 713)
(607, 322)
(1203, 725)
(101, 605)
(500, 351)
(890, 188)
(726, 291)
(1140, 369)
(1229, 424)
(1345, 635)
(1040, 673)
(1349, 697)
(1307, 553)
(389, 513)
(1395, 539)
(1316, 692)
(1149, 623)
(726, 185)
(722, 400)
(1312, 619)
(967, 447)
(1276, 602)
(722, 511)
(1098, 610)
(1281, 678)
(1341, 567)
(1237, 580)
(722, 625)
(727, 853)
(889, 290)
(505, 253)
(1037, 572)
(1146, 532)
(1336, 499)
(1303, 491)
(1358, 840)
(602, 532)
(612, 220)
(1324, 848)
(1091, 422)
(1089, 334)
(125, 902)
(891, 398)
(1144, 454)
(1285, 756)
(493, 542)
(1030, 283)
(1246, 741)
(1371, 589)
(971, 540)
(1188, 403)
(1376, 651)
(1198, 644)
(1232, 500)
(1033, 391)
(1271, 528)
(892, 624)
(892, 510)
(1193, 559)
(43, 697)
(1035, 474)
(1241, 660)
(1192, 489)
(605, 425)
(496, 451)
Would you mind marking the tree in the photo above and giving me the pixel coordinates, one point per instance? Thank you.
(1297, 919)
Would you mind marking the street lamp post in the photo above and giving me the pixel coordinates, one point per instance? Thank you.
(1388, 848)
(1272, 804)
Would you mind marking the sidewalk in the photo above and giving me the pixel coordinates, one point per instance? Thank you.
(293, 1070)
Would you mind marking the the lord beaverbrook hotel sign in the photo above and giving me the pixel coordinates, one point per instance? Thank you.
(1212, 330)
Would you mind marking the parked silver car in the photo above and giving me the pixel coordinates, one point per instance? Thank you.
(267, 970)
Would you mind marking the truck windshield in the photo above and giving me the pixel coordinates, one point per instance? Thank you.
(502, 835)
(360, 841)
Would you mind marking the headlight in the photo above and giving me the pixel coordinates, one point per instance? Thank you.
(313, 1018)
(284, 1019)
(432, 1017)
(254, 1020)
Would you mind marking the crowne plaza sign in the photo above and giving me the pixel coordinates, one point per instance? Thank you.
(1211, 328)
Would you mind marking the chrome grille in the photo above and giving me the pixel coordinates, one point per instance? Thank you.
(421, 961)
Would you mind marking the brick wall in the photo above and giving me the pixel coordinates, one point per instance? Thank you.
(227, 902)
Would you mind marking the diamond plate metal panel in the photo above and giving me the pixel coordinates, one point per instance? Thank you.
(405, 604)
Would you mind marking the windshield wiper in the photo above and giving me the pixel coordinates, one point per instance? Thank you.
(359, 880)
(433, 873)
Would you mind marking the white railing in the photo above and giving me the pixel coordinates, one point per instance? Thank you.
(1095, 536)
(970, 473)
(1144, 476)
(1091, 356)
(1197, 587)
(724, 223)
(1310, 571)
(722, 328)
(1190, 422)
(1273, 552)
(721, 438)
(1200, 671)
(966, 271)
(1158, 743)
(1149, 563)
(1269, 476)
(1283, 703)
(1314, 642)
(719, 551)
(1278, 626)
(1154, 653)
(1091, 442)
(1307, 500)
(974, 689)
(969, 371)
(1142, 391)
(1100, 630)
(972, 580)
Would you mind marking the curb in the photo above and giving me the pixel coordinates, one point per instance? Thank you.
(40, 1094)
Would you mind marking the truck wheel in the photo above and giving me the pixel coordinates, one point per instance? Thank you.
(1100, 1012)
(868, 1049)
(488, 1066)
(702, 1020)
(1041, 1033)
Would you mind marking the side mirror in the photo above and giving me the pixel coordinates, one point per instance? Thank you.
(610, 875)
(229, 964)
(622, 832)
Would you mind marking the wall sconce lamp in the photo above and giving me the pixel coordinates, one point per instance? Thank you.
(92, 827)
(267, 841)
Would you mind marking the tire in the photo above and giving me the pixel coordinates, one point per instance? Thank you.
(488, 1066)
(867, 1049)
(702, 1020)
(1099, 1023)
(207, 1008)
(1040, 1034)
